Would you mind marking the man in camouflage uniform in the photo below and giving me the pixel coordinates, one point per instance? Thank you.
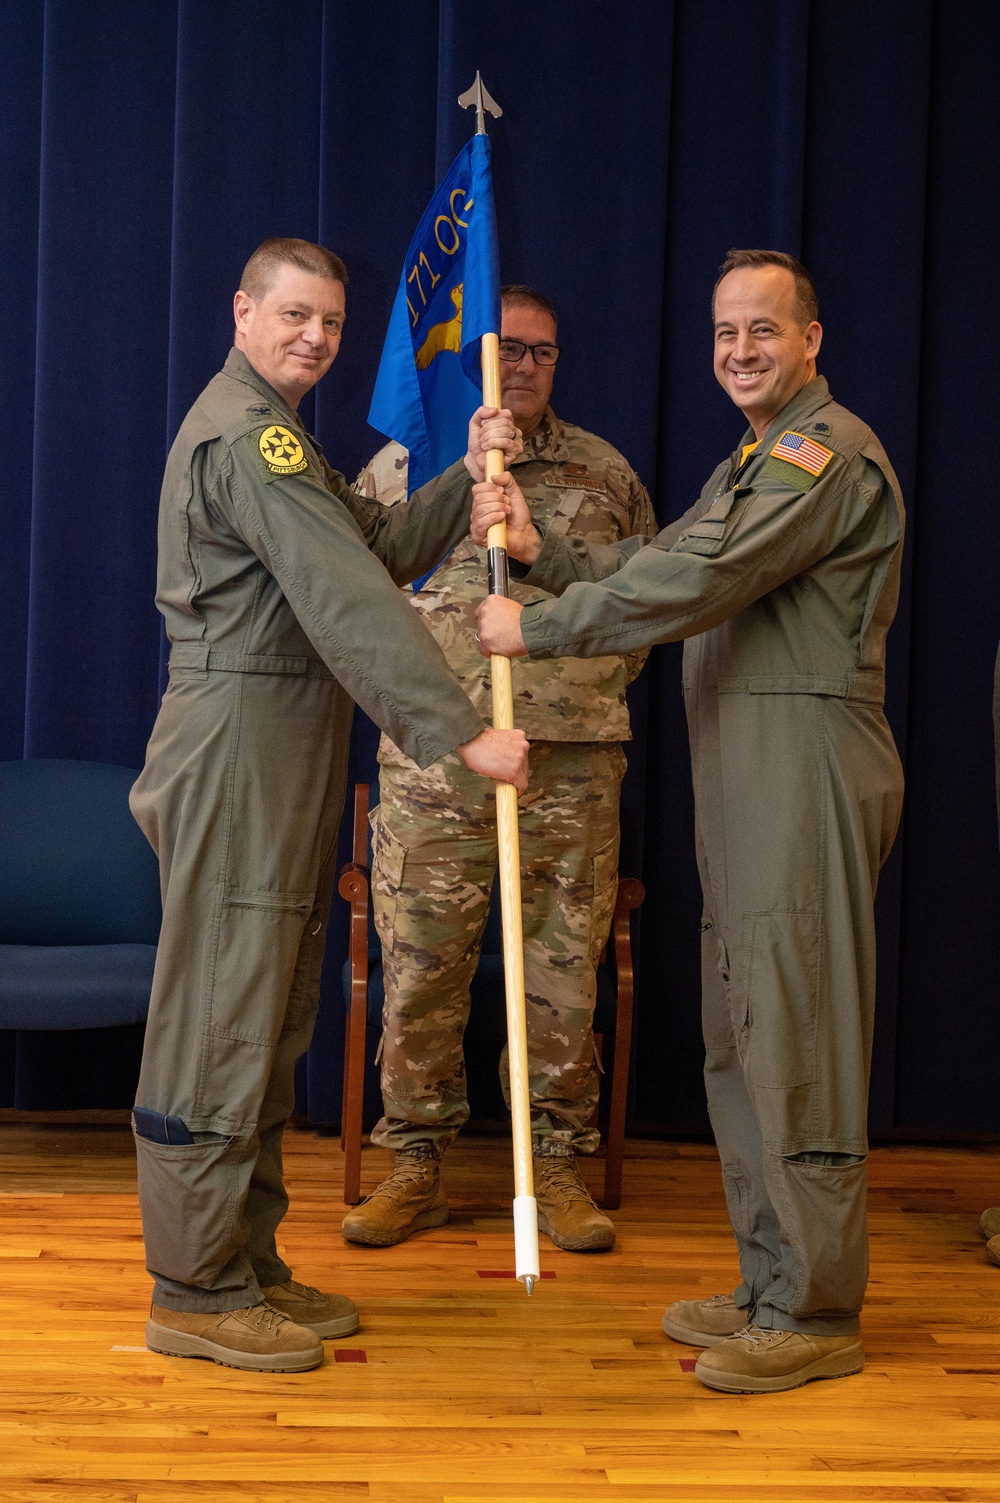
(435, 846)
(783, 580)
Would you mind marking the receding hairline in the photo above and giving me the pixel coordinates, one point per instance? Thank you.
(517, 295)
(260, 271)
(806, 302)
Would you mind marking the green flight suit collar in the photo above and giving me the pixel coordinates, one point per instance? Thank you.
(238, 366)
(806, 401)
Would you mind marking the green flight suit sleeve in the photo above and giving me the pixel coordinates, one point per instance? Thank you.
(643, 524)
(366, 632)
(410, 539)
(724, 554)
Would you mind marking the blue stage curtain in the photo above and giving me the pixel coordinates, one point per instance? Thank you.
(146, 150)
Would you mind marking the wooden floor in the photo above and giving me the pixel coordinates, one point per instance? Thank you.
(458, 1388)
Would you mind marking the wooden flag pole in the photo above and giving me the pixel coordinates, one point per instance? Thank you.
(525, 1209)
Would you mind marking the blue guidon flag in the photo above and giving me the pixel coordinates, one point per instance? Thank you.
(429, 383)
(796, 448)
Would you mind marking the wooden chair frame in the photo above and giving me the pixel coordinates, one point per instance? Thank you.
(355, 886)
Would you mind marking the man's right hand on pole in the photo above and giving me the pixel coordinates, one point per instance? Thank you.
(500, 500)
(502, 755)
(491, 428)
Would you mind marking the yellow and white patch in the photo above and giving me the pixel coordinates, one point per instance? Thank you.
(281, 451)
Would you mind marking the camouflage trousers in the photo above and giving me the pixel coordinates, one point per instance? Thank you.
(435, 858)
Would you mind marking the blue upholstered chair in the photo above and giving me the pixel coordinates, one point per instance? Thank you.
(364, 995)
(79, 899)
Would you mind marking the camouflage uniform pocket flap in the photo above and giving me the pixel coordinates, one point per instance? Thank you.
(572, 485)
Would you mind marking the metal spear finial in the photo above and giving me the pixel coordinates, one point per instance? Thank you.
(479, 96)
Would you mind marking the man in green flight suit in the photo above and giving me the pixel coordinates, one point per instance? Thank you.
(783, 578)
(278, 586)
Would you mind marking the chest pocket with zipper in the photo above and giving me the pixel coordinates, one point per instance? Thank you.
(709, 533)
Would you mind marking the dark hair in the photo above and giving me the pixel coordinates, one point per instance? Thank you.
(806, 305)
(519, 296)
(258, 274)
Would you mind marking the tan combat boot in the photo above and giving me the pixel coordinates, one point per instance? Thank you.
(326, 1314)
(566, 1210)
(990, 1223)
(758, 1361)
(704, 1322)
(258, 1337)
(409, 1200)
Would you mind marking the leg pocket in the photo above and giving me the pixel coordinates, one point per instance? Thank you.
(783, 973)
(254, 964)
(605, 878)
(191, 1196)
(388, 861)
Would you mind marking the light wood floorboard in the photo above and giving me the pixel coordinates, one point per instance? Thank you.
(469, 1392)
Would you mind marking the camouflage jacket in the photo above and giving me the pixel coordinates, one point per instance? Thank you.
(577, 486)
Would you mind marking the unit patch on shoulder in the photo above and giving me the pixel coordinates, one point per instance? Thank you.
(281, 451)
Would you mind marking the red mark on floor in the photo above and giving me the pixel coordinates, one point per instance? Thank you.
(506, 1273)
(349, 1354)
(687, 1364)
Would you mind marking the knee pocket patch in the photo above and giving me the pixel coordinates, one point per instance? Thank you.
(191, 1195)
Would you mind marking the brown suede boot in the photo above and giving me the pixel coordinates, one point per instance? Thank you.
(566, 1210)
(326, 1314)
(704, 1322)
(409, 1200)
(758, 1361)
(258, 1338)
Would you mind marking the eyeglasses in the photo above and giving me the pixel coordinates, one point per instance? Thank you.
(513, 350)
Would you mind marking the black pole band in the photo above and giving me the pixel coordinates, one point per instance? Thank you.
(499, 575)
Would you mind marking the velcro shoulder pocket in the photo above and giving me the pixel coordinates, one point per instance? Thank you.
(788, 474)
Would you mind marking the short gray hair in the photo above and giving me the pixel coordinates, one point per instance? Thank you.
(258, 274)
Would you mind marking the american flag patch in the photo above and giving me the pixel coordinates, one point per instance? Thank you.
(795, 448)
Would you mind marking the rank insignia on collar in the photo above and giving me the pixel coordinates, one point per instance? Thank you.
(806, 453)
(281, 451)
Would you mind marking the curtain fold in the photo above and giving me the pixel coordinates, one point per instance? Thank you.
(146, 150)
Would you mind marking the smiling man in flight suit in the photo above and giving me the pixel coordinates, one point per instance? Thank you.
(784, 578)
(280, 611)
